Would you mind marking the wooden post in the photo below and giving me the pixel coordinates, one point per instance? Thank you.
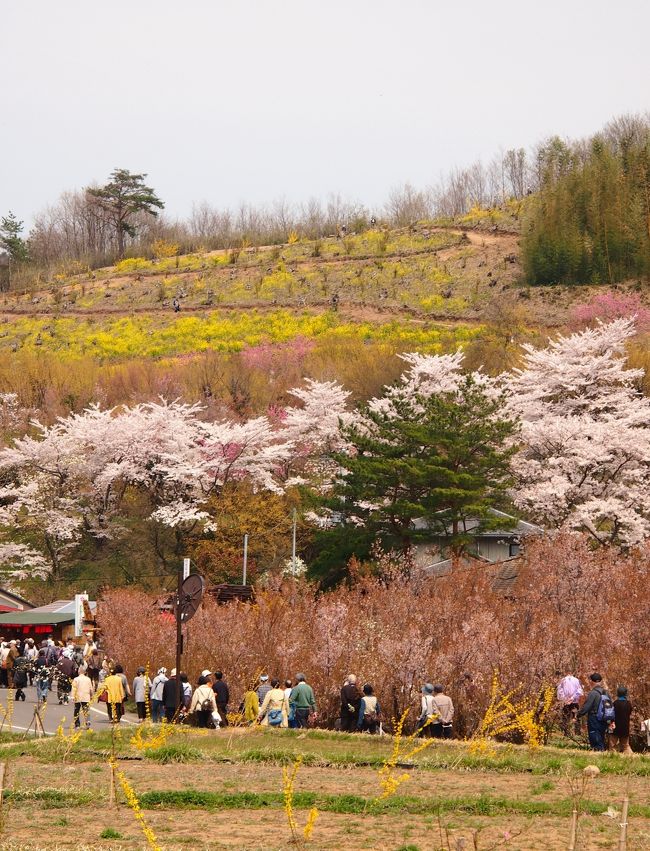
(574, 830)
(3, 766)
(112, 798)
(622, 842)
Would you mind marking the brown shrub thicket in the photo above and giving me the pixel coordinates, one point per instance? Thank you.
(570, 606)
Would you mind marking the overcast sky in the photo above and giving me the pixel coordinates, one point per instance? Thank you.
(251, 100)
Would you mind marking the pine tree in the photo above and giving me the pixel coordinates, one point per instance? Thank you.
(440, 459)
(11, 240)
(121, 198)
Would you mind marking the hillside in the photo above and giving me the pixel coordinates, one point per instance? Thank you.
(421, 284)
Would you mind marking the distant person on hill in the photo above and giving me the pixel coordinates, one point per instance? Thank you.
(569, 694)
(620, 737)
(176, 305)
(369, 711)
(597, 708)
(350, 703)
(303, 701)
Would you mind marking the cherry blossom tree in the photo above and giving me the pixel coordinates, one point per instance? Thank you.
(584, 461)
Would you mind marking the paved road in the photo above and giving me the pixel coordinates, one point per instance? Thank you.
(24, 713)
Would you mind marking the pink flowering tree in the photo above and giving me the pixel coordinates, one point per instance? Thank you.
(585, 436)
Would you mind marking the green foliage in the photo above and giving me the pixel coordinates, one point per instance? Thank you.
(440, 459)
(110, 833)
(120, 199)
(589, 223)
(171, 753)
(11, 240)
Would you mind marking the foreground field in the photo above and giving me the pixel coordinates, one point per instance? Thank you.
(225, 790)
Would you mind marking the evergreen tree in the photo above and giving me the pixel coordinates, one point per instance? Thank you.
(438, 459)
(121, 198)
(11, 240)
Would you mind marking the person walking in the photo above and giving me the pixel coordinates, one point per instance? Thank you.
(442, 729)
(274, 711)
(263, 689)
(429, 713)
(222, 696)
(203, 703)
(599, 711)
(369, 711)
(19, 672)
(66, 670)
(115, 695)
(156, 694)
(186, 691)
(42, 676)
(93, 666)
(350, 704)
(569, 693)
(82, 692)
(141, 687)
(303, 701)
(172, 701)
(620, 737)
(12, 655)
(288, 688)
(31, 654)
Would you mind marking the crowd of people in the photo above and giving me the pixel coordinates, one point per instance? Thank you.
(608, 719)
(81, 673)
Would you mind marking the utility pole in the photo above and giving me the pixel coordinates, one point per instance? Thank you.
(293, 541)
(179, 633)
(243, 582)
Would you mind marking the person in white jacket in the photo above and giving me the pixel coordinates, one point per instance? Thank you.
(203, 703)
(156, 695)
(82, 692)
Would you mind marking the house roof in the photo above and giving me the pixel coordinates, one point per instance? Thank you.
(6, 593)
(520, 528)
(61, 611)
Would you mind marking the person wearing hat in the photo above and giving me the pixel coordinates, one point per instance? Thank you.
(222, 696)
(141, 687)
(429, 714)
(263, 689)
(620, 735)
(156, 695)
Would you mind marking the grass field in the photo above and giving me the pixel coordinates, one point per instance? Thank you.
(225, 790)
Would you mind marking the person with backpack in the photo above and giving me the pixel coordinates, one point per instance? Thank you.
(203, 703)
(599, 709)
(274, 711)
(369, 711)
(443, 727)
(620, 737)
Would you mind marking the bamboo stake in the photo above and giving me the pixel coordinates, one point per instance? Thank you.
(112, 802)
(622, 842)
(574, 830)
(3, 766)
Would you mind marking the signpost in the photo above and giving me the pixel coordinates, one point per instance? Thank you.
(79, 612)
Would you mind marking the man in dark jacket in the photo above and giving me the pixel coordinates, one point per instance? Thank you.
(222, 696)
(350, 703)
(595, 727)
(170, 700)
